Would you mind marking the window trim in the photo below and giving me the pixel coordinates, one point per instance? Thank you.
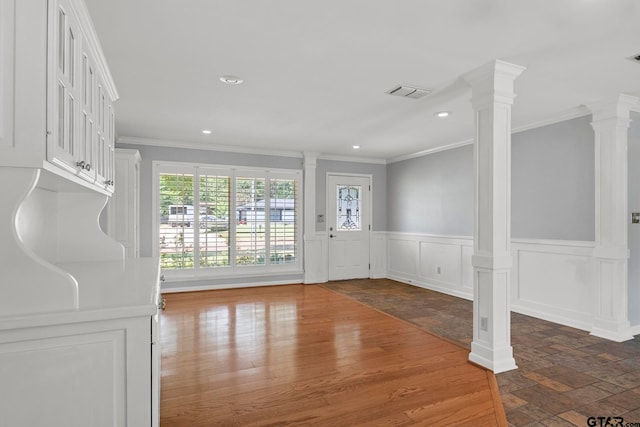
(231, 271)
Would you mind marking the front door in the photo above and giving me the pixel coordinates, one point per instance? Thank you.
(348, 226)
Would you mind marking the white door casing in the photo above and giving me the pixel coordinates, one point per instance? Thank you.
(348, 225)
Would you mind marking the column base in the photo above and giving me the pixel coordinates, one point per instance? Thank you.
(611, 330)
(496, 360)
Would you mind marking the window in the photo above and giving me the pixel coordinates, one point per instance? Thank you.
(348, 215)
(213, 221)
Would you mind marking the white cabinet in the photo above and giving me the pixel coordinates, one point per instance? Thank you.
(81, 115)
(57, 103)
(65, 87)
(78, 321)
(92, 366)
(123, 210)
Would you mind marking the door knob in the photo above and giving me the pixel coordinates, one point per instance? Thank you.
(332, 236)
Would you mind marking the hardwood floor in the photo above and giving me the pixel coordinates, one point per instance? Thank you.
(564, 376)
(305, 355)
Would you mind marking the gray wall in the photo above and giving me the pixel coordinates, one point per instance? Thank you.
(378, 188)
(553, 182)
(634, 229)
(552, 187)
(149, 154)
(432, 194)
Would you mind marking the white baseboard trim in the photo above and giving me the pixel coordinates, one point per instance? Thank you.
(167, 289)
(635, 330)
(550, 317)
(431, 287)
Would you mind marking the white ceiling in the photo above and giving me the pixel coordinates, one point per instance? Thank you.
(316, 72)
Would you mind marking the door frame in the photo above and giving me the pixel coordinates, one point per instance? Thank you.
(328, 193)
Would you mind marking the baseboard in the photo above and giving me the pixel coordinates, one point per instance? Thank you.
(167, 289)
(635, 330)
(551, 317)
(432, 287)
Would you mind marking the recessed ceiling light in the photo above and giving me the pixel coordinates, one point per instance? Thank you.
(206, 132)
(355, 147)
(442, 114)
(231, 80)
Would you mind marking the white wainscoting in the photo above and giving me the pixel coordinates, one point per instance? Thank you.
(439, 263)
(378, 255)
(552, 280)
(315, 258)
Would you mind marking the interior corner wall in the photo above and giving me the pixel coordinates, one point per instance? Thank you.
(634, 229)
(379, 188)
(430, 222)
(553, 182)
(432, 194)
(151, 153)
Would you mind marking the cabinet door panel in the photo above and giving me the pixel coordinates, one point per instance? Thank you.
(81, 121)
(68, 38)
(86, 145)
(65, 381)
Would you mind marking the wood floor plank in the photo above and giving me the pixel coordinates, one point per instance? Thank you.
(304, 355)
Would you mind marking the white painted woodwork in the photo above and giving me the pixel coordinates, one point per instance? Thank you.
(610, 123)
(30, 283)
(89, 366)
(123, 209)
(155, 365)
(312, 247)
(171, 287)
(7, 10)
(76, 318)
(80, 111)
(415, 259)
(315, 256)
(45, 112)
(492, 97)
(23, 71)
(349, 250)
(378, 256)
(551, 280)
(403, 255)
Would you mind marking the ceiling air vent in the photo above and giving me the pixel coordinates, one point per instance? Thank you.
(408, 92)
(635, 58)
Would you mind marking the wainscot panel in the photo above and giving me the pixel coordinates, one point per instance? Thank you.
(315, 256)
(436, 262)
(378, 255)
(551, 279)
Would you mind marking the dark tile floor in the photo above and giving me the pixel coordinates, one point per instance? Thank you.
(564, 375)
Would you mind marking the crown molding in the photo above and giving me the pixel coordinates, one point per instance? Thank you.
(431, 151)
(337, 158)
(208, 147)
(573, 113)
(150, 142)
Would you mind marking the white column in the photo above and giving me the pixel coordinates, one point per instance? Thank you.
(610, 123)
(310, 244)
(492, 97)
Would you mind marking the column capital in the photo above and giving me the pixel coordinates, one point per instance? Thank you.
(493, 82)
(614, 110)
(310, 158)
